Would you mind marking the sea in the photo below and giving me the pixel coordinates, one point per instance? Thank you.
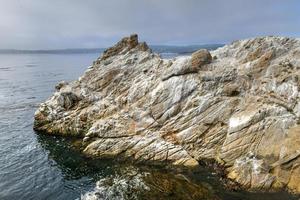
(36, 166)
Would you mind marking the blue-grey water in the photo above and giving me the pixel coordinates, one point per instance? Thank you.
(35, 166)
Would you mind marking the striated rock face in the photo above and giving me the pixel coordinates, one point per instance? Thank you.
(240, 108)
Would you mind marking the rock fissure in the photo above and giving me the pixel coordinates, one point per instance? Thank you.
(179, 74)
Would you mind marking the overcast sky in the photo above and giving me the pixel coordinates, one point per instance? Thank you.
(52, 24)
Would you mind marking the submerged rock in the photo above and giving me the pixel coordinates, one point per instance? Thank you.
(240, 108)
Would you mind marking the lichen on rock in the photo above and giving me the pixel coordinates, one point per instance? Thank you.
(240, 109)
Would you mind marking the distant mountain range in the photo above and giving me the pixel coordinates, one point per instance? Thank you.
(156, 48)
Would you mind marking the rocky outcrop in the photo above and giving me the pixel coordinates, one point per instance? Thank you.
(238, 105)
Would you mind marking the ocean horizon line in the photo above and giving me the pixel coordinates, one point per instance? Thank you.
(181, 49)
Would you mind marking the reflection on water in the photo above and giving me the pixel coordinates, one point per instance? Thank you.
(43, 167)
(110, 179)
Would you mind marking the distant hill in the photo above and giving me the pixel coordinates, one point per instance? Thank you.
(156, 48)
(183, 49)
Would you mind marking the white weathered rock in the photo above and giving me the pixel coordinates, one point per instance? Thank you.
(240, 108)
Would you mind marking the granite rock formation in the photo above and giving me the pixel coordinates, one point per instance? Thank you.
(238, 105)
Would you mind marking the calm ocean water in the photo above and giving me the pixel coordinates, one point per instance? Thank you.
(34, 166)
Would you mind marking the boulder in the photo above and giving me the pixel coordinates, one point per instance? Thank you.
(200, 58)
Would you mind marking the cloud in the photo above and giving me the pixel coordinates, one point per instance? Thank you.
(96, 23)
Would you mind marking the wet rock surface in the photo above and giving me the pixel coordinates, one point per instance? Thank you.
(240, 108)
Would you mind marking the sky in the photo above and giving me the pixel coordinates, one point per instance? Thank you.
(58, 24)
